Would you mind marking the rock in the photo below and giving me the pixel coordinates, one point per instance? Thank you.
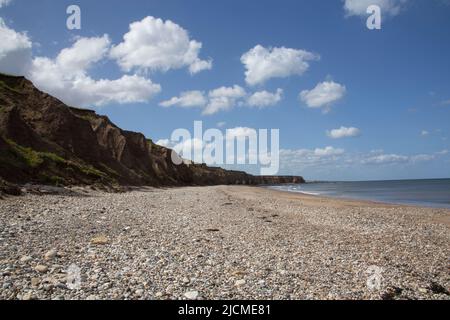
(27, 297)
(185, 280)
(35, 282)
(139, 293)
(191, 295)
(239, 283)
(50, 255)
(158, 294)
(26, 259)
(41, 268)
(100, 240)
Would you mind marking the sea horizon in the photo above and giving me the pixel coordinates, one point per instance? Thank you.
(416, 192)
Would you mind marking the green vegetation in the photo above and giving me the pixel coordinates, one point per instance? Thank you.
(30, 157)
(49, 166)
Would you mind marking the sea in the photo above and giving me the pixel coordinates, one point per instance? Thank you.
(425, 193)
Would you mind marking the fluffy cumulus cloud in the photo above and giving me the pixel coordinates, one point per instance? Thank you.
(223, 98)
(262, 99)
(324, 95)
(66, 77)
(15, 50)
(263, 63)
(344, 132)
(359, 7)
(153, 44)
(188, 99)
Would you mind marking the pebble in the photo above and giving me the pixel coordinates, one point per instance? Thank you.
(316, 249)
(26, 259)
(41, 268)
(50, 255)
(239, 283)
(191, 295)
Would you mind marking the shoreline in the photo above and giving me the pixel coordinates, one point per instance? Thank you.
(223, 242)
(360, 201)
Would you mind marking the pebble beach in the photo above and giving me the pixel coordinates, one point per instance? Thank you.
(225, 242)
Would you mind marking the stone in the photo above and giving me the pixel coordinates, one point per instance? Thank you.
(185, 280)
(50, 255)
(26, 259)
(41, 268)
(139, 292)
(191, 295)
(35, 282)
(27, 297)
(100, 240)
(239, 283)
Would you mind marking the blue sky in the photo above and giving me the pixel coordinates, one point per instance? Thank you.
(386, 93)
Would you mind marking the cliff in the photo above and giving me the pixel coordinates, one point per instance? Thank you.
(46, 142)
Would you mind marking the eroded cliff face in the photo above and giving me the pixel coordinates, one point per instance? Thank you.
(44, 141)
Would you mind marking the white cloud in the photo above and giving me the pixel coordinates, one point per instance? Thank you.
(424, 133)
(164, 143)
(223, 98)
(344, 132)
(297, 160)
(188, 99)
(153, 44)
(385, 159)
(83, 54)
(422, 158)
(263, 99)
(4, 3)
(359, 7)
(200, 65)
(66, 77)
(263, 63)
(15, 50)
(221, 124)
(324, 95)
(328, 152)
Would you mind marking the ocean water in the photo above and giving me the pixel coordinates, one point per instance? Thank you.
(427, 193)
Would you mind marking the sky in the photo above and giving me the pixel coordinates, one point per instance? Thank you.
(350, 103)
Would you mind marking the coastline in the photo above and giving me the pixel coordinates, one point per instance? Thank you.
(224, 242)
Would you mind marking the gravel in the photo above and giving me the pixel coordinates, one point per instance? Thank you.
(218, 243)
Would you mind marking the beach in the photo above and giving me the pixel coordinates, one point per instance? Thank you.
(224, 242)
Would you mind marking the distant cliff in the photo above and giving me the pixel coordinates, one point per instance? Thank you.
(44, 141)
